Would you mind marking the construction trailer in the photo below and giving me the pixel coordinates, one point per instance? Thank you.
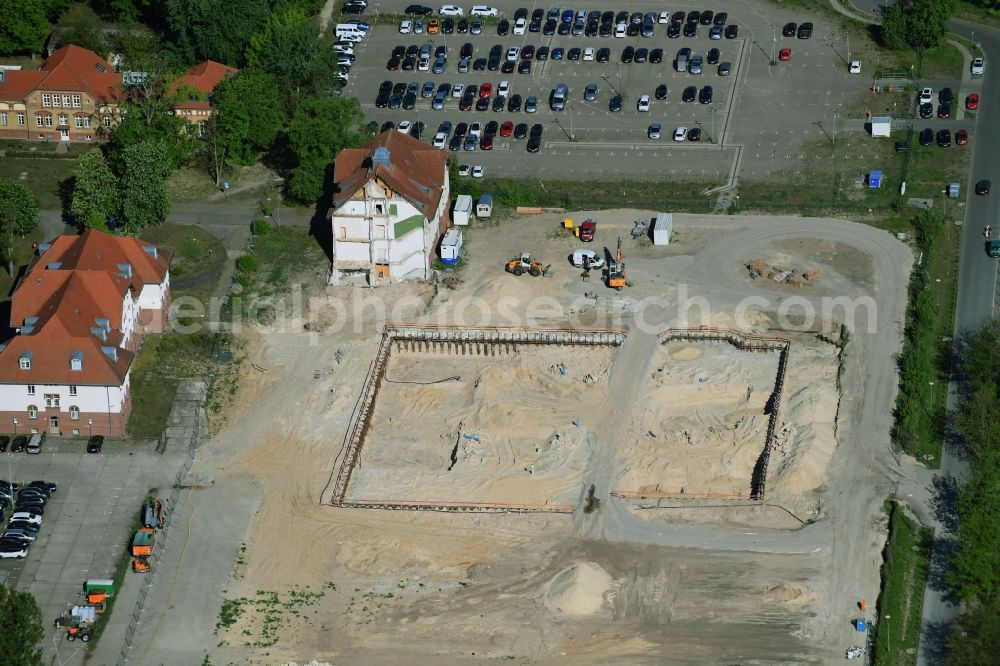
(462, 211)
(142, 542)
(881, 126)
(451, 246)
(663, 226)
(485, 206)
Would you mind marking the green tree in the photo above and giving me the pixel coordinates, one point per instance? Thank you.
(919, 24)
(23, 27)
(144, 186)
(977, 641)
(21, 619)
(85, 33)
(248, 119)
(18, 216)
(95, 191)
(319, 129)
(218, 30)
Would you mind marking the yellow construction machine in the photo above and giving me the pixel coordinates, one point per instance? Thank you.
(616, 278)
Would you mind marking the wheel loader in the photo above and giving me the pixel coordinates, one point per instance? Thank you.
(525, 264)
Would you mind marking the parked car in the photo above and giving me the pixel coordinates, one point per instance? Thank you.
(972, 101)
(654, 131)
(680, 133)
(35, 443)
(962, 137)
(983, 188)
(944, 138)
(926, 137)
(4, 443)
(18, 444)
(784, 55)
(590, 257)
(805, 31)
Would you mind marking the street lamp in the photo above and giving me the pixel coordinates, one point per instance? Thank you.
(90, 424)
(15, 425)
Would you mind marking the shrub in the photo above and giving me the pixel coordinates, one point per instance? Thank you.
(248, 263)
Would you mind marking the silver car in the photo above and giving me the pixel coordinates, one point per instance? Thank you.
(695, 66)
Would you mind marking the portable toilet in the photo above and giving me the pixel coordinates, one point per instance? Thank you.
(663, 226)
(881, 126)
(485, 206)
(451, 246)
(462, 210)
(954, 190)
(875, 179)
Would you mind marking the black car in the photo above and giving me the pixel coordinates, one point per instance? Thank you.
(398, 51)
(535, 139)
(18, 444)
(927, 110)
(483, 104)
(674, 30)
(455, 143)
(592, 28)
(408, 65)
(499, 103)
(528, 52)
(549, 28)
(461, 129)
(944, 111)
(605, 30)
(503, 27)
(926, 136)
(656, 56)
(693, 16)
(409, 101)
(706, 17)
(721, 18)
(542, 53)
(4, 443)
(95, 443)
(677, 18)
(805, 31)
(514, 104)
(492, 127)
(705, 96)
(564, 28)
(944, 138)
(661, 91)
(615, 105)
(382, 100)
(603, 55)
(628, 53)
(448, 26)
(983, 187)
(419, 10)
(713, 57)
(574, 53)
(694, 134)
(352, 8)
(508, 66)
(462, 26)
(466, 50)
(521, 13)
(641, 55)
(732, 32)
(387, 125)
(399, 89)
(946, 96)
(789, 30)
(45, 486)
(690, 29)
(479, 64)
(689, 94)
(520, 130)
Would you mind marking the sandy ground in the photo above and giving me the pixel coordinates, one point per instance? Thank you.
(619, 585)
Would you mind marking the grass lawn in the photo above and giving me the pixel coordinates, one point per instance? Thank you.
(46, 179)
(281, 258)
(23, 251)
(968, 11)
(198, 263)
(904, 573)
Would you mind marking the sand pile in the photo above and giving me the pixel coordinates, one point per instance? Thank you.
(578, 590)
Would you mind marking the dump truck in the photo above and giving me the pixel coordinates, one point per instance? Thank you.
(142, 542)
(525, 264)
(79, 622)
(155, 513)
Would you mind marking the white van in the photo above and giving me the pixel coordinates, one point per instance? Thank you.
(350, 32)
(484, 10)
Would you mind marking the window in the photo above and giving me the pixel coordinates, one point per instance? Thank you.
(202, 129)
(48, 120)
(76, 101)
(86, 121)
(79, 121)
(55, 101)
(31, 389)
(66, 101)
(106, 121)
(3, 119)
(25, 362)
(39, 119)
(74, 412)
(63, 120)
(51, 400)
(32, 412)
(21, 119)
(46, 100)
(72, 390)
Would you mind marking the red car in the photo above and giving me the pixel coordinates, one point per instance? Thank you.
(486, 143)
(486, 90)
(507, 128)
(972, 101)
(587, 230)
(392, 65)
(962, 137)
(784, 55)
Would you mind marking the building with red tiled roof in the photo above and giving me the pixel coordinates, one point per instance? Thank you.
(79, 313)
(193, 91)
(71, 98)
(390, 208)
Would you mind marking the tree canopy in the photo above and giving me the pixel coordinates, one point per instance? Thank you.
(918, 24)
(95, 191)
(319, 129)
(18, 216)
(144, 186)
(217, 30)
(248, 119)
(21, 620)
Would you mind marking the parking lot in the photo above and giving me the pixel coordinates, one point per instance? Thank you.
(87, 521)
(759, 113)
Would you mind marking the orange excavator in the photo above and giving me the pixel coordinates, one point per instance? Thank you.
(616, 278)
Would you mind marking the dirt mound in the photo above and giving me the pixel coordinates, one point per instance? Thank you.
(579, 589)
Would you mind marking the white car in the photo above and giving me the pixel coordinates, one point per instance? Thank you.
(405, 27)
(680, 133)
(664, 17)
(620, 31)
(457, 90)
(503, 89)
(478, 171)
(484, 10)
(512, 53)
(855, 67)
(438, 141)
(475, 129)
(519, 26)
(643, 104)
(404, 126)
(9, 552)
(596, 263)
(927, 96)
(464, 170)
(588, 53)
(33, 518)
(451, 10)
(978, 66)
(344, 48)
(424, 64)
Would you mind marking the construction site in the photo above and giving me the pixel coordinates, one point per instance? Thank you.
(607, 475)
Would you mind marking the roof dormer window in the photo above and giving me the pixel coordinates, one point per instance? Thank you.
(24, 362)
(76, 361)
